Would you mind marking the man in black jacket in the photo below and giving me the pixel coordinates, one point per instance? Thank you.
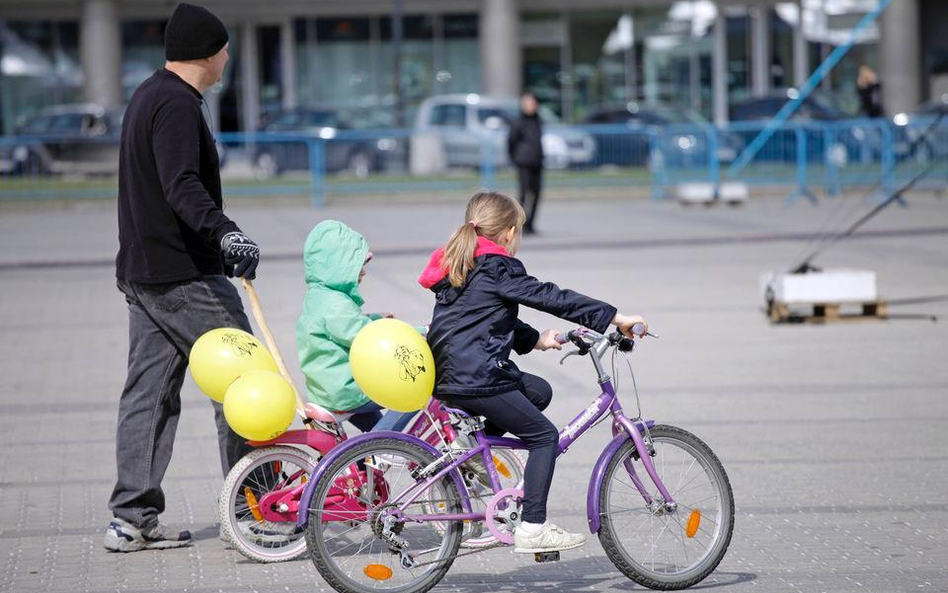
(525, 148)
(174, 246)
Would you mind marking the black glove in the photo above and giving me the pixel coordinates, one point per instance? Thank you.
(241, 253)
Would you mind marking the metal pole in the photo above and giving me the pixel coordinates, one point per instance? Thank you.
(801, 58)
(397, 37)
(719, 69)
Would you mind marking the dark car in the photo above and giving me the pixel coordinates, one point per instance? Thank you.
(923, 134)
(284, 144)
(681, 134)
(849, 140)
(68, 139)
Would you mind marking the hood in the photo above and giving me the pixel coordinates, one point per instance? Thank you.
(435, 273)
(333, 256)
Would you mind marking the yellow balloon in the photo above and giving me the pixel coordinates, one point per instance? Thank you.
(392, 364)
(221, 355)
(260, 405)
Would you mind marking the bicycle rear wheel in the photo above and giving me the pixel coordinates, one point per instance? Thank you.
(651, 545)
(354, 539)
(258, 474)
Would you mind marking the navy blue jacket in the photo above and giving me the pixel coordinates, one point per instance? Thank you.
(474, 327)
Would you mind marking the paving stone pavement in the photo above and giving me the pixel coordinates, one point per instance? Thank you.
(834, 436)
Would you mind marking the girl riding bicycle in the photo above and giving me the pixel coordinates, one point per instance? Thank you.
(479, 286)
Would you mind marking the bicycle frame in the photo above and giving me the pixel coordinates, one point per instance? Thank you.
(623, 428)
(432, 426)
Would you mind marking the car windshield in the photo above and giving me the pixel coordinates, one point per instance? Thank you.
(674, 114)
(38, 125)
(511, 112)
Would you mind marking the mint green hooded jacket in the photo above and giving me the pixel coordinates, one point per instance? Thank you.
(333, 256)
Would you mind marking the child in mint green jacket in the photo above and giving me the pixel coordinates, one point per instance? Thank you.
(333, 257)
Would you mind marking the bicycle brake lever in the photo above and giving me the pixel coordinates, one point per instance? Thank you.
(568, 354)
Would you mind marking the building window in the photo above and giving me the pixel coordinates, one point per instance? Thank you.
(143, 52)
(348, 64)
(39, 67)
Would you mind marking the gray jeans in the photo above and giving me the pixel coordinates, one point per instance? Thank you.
(164, 320)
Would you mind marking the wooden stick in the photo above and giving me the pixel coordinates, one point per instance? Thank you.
(271, 343)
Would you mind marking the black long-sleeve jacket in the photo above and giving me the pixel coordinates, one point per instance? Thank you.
(475, 327)
(525, 141)
(170, 209)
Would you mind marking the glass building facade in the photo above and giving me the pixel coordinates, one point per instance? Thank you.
(576, 61)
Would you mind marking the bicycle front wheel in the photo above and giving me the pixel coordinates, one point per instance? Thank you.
(656, 547)
(356, 538)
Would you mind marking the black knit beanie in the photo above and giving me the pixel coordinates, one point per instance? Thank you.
(192, 33)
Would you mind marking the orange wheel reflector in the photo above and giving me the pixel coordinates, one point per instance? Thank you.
(277, 466)
(502, 468)
(694, 520)
(303, 478)
(253, 504)
(377, 572)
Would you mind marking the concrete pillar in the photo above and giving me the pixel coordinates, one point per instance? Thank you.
(719, 97)
(801, 54)
(288, 64)
(760, 49)
(249, 76)
(100, 49)
(900, 54)
(500, 48)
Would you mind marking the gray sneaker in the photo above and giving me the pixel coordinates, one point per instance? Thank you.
(122, 536)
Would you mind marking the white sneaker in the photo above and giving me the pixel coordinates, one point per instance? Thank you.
(550, 538)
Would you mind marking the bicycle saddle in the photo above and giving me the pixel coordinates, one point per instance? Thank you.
(457, 411)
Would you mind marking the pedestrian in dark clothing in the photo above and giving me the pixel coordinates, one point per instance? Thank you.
(525, 147)
(175, 244)
(870, 92)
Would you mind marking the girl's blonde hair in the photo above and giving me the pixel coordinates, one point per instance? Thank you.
(488, 214)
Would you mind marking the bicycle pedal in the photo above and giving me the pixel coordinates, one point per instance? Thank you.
(546, 556)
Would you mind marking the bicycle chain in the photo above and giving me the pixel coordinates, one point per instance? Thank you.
(456, 556)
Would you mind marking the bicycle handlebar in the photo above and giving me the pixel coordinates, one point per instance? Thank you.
(584, 334)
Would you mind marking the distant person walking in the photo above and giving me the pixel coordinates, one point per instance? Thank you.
(870, 92)
(174, 246)
(525, 147)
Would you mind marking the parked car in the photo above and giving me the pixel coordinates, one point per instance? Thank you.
(67, 139)
(465, 124)
(918, 135)
(683, 137)
(854, 140)
(354, 154)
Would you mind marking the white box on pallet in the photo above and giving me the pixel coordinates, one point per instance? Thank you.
(827, 286)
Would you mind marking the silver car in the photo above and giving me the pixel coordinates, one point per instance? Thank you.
(472, 130)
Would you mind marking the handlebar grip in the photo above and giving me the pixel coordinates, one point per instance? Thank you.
(562, 338)
(638, 329)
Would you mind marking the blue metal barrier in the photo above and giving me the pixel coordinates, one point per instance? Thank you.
(799, 158)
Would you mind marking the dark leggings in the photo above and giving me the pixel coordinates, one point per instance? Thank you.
(520, 413)
(530, 181)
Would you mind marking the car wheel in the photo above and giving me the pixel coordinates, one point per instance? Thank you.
(31, 164)
(265, 166)
(359, 165)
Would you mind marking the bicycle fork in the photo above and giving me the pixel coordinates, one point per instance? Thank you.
(667, 504)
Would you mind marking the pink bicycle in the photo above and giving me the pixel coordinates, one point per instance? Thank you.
(259, 502)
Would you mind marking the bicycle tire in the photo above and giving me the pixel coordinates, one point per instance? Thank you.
(317, 544)
(609, 532)
(230, 492)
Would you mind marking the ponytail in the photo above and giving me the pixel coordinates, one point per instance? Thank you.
(488, 214)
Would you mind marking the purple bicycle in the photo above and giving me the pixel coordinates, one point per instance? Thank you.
(658, 498)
